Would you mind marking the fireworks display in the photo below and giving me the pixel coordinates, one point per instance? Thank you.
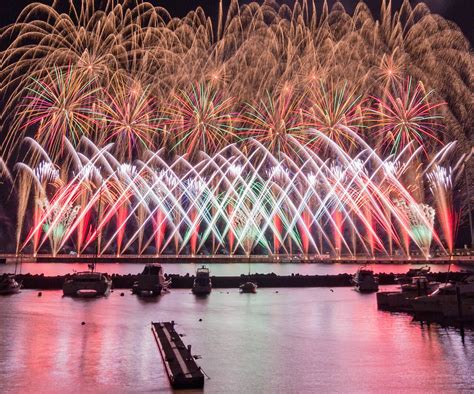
(274, 130)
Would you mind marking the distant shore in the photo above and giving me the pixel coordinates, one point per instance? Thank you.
(41, 282)
(203, 259)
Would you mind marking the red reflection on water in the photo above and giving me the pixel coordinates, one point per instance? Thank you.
(293, 340)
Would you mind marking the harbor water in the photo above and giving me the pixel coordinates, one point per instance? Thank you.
(278, 340)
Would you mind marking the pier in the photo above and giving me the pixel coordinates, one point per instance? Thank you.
(182, 370)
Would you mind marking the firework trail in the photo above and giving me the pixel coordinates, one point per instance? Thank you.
(276, 131)
(264, 204)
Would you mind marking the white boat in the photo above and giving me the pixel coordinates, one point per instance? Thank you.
(9, 285)
(248, 287)
(364, 281)
(420, 285)
(401, 300)
(151, 282)
(444, 300)
(87, 284)
(202, 283)
(413, 272)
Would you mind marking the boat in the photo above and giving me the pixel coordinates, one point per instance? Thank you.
(151, 282)
(420, 285)
(413, 272)
(401, 300)
(9, 285)
(202, 284)
(87, 284)
(424, 270)
(364, 281)
(463, 310)
(248, 287)
(444, 300)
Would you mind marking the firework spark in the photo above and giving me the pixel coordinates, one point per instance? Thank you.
(406, 115)
(264, 133)
(57, 105)
(201, 119)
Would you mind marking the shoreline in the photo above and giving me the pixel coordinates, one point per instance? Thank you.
(110, 259)
(42, 282)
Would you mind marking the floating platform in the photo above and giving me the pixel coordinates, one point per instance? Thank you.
(182, 370)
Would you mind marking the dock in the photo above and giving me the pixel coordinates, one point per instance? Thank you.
(182, 370)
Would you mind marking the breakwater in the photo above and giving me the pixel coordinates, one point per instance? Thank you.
(42, 282)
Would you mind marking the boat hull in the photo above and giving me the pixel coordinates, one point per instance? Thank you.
(86, 289)
(151, 282)
(248, 287)
(9, 286)
(366, 289)
(451, 309)
(425, 305)
(10, 291)
(201, 290)
(149, 291)
(446, 306)
(365, 282)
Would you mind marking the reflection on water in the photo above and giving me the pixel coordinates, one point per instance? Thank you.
(296, 340)
(223, 269)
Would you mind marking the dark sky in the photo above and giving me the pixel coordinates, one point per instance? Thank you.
(459, 11)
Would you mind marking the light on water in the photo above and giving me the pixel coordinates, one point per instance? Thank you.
(296, 340)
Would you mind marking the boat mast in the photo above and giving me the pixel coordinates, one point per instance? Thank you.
(92, 266)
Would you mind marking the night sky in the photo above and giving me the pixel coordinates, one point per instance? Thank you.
(459, 11)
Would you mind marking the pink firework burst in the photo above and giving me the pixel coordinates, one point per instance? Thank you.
(406, 116)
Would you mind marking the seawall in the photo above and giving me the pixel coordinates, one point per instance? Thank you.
(42, 282)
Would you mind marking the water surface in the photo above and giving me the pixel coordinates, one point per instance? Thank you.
(293, 340)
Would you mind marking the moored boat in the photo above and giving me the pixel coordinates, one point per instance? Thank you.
(364, 281)
(151, 282)
(444, 300)
(459, 310)
(87, 284)
(401, 300)
(420, 285)
(9, 285)
(412, 273)
(202, 283)
(248, 287)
